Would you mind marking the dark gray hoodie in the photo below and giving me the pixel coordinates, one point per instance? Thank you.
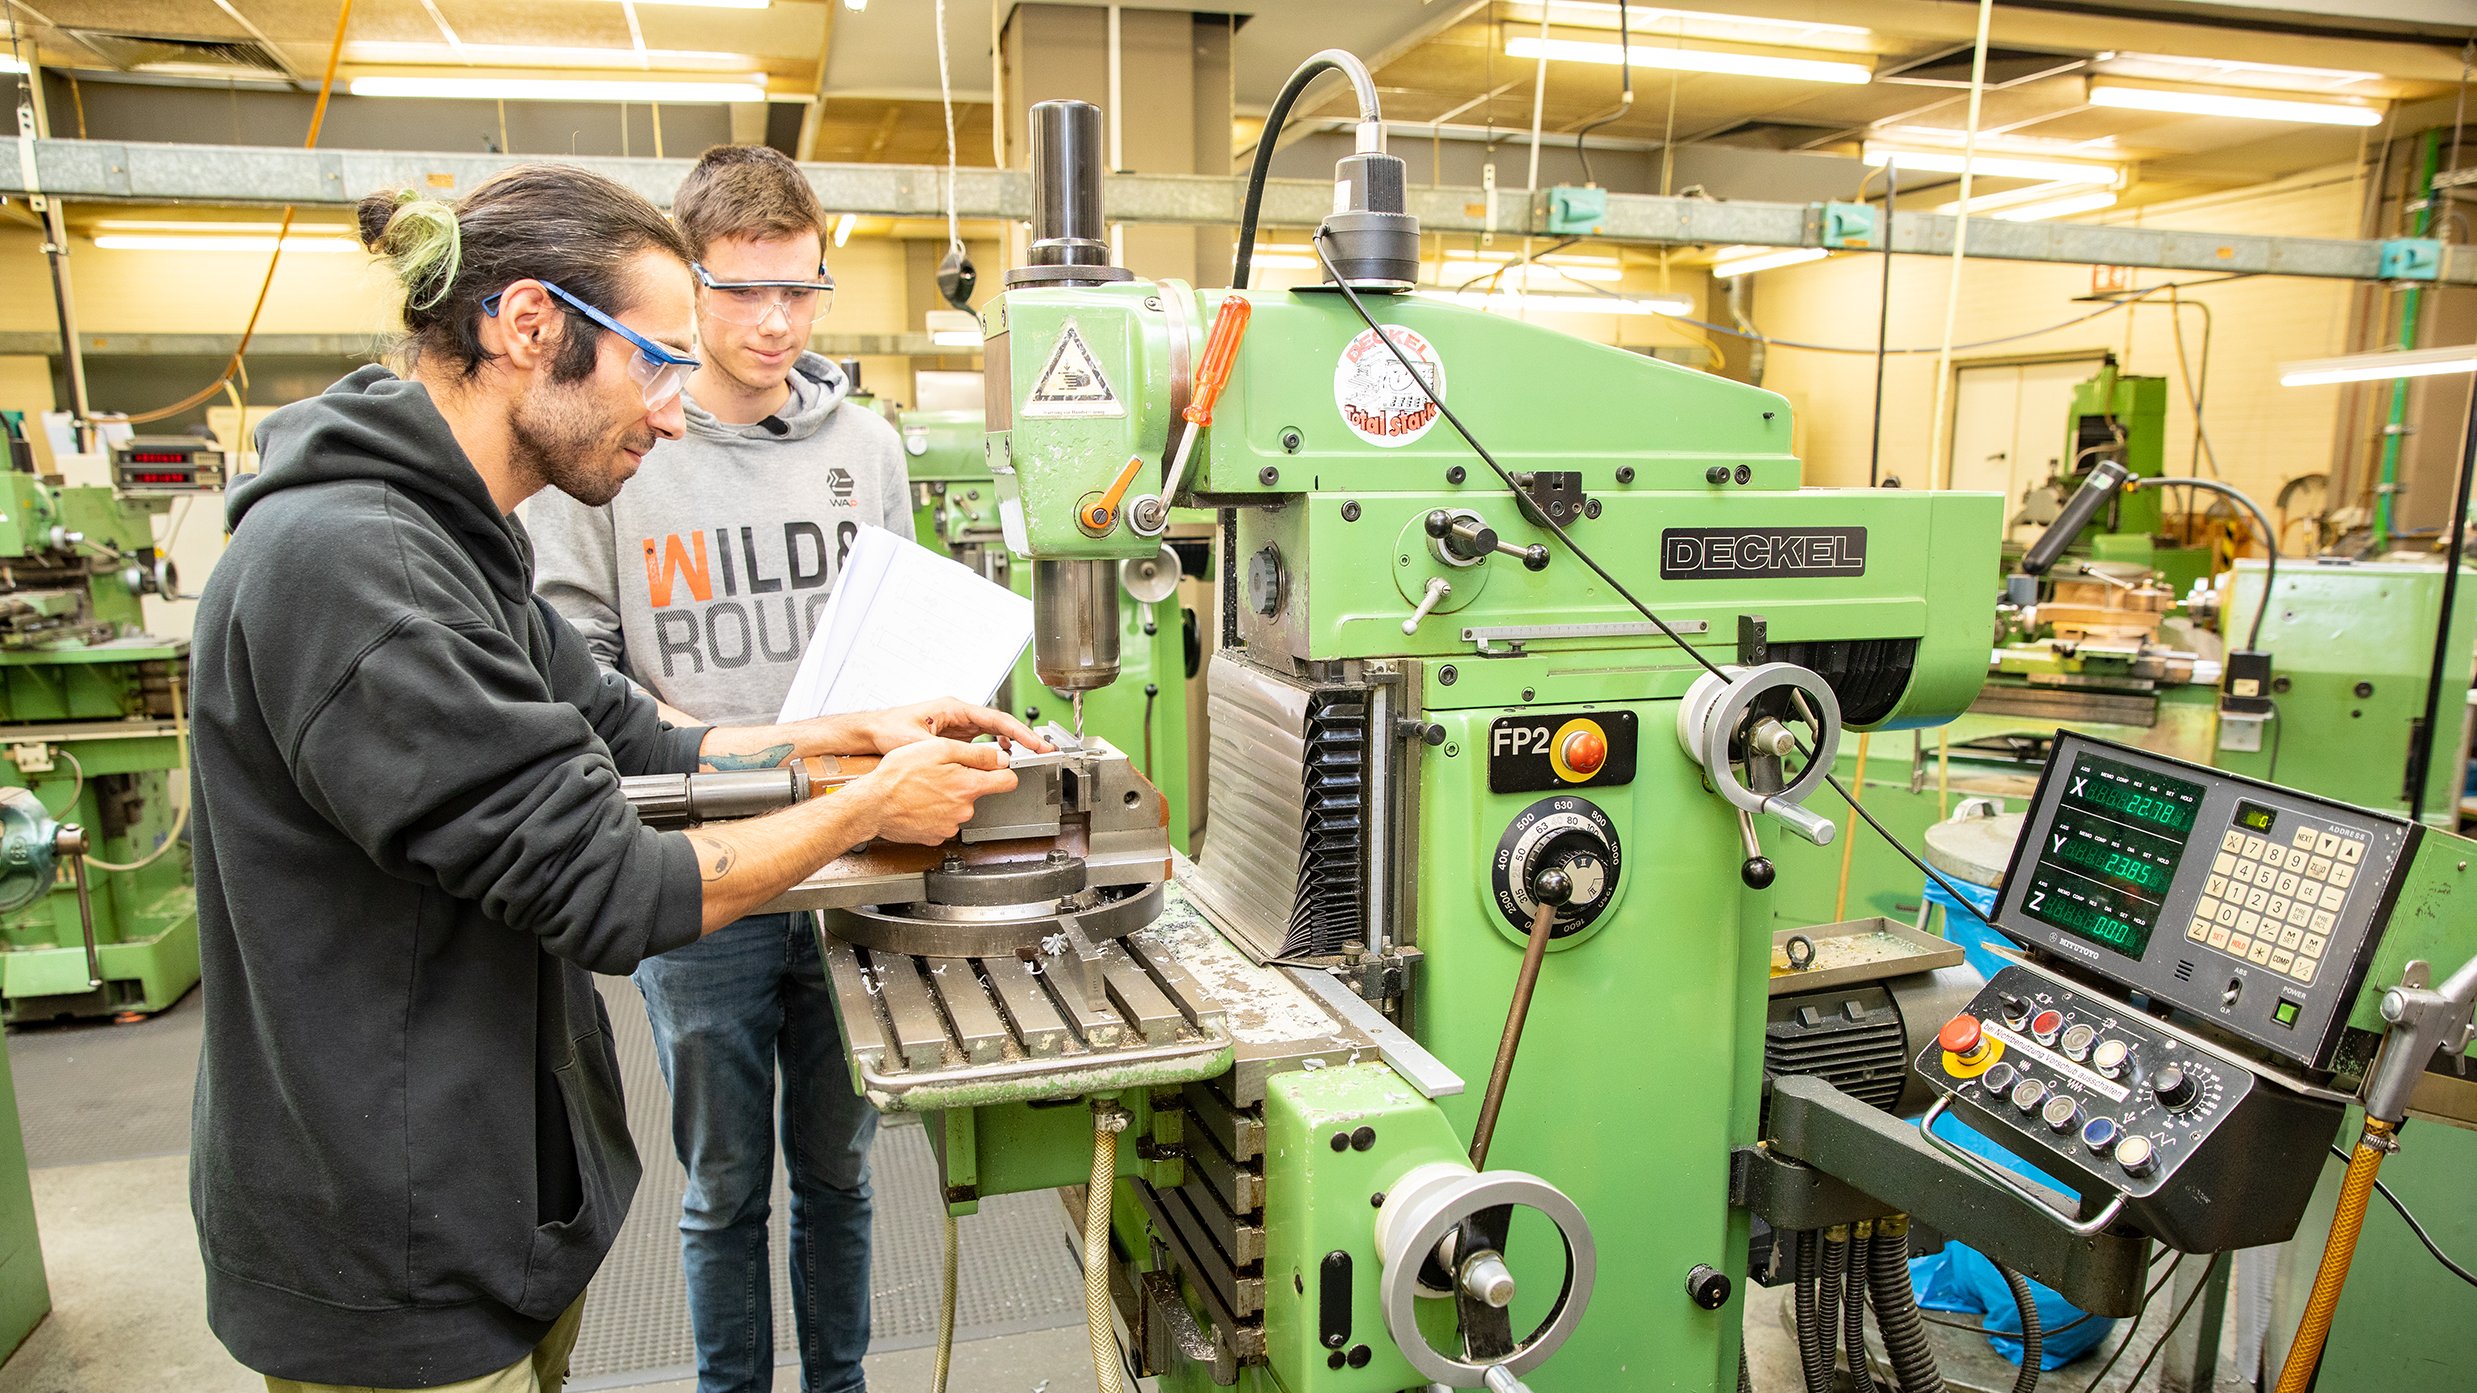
(412, 852)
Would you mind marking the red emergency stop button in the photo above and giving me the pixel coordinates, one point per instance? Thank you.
(1585, 750)
(1961, 1036)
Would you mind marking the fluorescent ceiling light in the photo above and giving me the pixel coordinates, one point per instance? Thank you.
(170, 242)
(1597, 269)
(374, 51)
(2109, 94)
(1691, 60)
(954, 329)
(526, 89)
(1992, 166)
(1272, 258)
(2065, 207)
(713, 4)
(1522, 303)
(2229, 72)
(843, 226)
(263, 229)
(2036, 203)
(2378, 367)
(1739, 261)
(1645, 19)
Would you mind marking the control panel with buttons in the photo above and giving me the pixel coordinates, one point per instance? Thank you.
(2247, 906)
(2209, 1155)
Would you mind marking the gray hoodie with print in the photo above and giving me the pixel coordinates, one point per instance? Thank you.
(703, 580)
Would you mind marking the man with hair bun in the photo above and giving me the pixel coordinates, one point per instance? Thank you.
(779, 475)
(410, 1152)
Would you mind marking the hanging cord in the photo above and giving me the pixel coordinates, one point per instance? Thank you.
(2133, 1324)
(1327, 61)
(1906, 1347)
(1939, 462)
(2160, 1344)
(1853, 1307)
(2270, 535)
(1806, 1297)
(318, 118)
(946, 98)
(2418, 1229)
(1828, 1294)
(1625, 97)
(77, 790)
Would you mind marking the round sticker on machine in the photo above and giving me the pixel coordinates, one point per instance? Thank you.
(1377, 398)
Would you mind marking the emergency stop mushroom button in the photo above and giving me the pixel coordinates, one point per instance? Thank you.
(1584, 750)
(1962, 1039)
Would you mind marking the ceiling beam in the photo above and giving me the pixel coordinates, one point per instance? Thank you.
(237, 176)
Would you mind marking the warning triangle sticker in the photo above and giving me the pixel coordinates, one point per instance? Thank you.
(1071, 384)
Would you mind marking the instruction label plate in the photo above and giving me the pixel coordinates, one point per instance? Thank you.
(1740, 553)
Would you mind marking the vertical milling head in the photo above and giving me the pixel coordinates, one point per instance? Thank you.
(1075, 624)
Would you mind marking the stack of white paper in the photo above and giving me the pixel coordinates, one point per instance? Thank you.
(905, 624)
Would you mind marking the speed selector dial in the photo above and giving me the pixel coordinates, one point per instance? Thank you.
(2175, 1088)
(1567, 837)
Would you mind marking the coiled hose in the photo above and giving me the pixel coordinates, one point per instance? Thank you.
(2355, 1190)
(1896, 1310)
(2032, 1338)
(1853, 1309)
(1828, 1303)
(1811, 1368)
(1108, 1120)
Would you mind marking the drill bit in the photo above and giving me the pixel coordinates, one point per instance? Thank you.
(1077, 702)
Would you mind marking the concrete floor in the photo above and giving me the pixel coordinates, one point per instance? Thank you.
(129, 1301)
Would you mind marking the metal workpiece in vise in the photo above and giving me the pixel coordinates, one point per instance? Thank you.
(670, 801)
(1441, 1234)
(1074, 856)
(1737, 719)
(32, 845)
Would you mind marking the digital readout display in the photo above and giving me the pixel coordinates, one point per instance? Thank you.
(2110, 853)
(159, 477)
(2255, 818)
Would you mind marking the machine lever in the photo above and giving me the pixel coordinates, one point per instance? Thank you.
(1103, 511)
(1756, 870)
(1467, 537)
(1151, 513)
(1803, 820)
(2079, 1228)
(1438, 589)
(1551, 888)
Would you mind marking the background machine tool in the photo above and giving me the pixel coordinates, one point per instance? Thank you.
(90, 708)
(1154, 710)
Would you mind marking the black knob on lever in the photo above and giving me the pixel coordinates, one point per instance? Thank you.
(1465, 538)
(1757, 872)
(1552, 886)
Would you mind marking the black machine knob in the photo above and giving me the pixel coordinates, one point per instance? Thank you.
(2016, 1010)
(1707, 1287)
(1758, 872)
(2174, 1088)
(1552, 886)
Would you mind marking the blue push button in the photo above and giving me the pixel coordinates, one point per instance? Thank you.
(2100, 1133)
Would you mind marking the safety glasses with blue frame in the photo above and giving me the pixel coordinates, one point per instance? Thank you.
(658, 371)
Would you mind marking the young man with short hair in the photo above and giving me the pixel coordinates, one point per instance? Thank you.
(702, 584)
(410, 1152)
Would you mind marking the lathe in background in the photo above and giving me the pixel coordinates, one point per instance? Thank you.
(1155, 710)
(90, 710)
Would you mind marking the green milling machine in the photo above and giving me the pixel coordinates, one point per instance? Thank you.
(1151, 709)
(91, 710)
(1445, 1061)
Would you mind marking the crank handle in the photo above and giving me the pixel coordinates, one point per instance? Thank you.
(1757, 869)
(1500, 1379)
(1438, 589)
(1804, 821)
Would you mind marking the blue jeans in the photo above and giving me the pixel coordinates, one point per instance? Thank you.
(724, 1010)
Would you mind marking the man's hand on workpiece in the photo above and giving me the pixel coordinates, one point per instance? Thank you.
(923, 792)
(883, 732)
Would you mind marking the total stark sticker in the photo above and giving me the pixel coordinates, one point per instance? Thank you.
(1379, 401)
(1071, 383)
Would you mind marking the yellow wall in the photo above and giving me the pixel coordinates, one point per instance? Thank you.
(2265, 434)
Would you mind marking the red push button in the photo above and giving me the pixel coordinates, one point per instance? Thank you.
(1584, 751)
(1960, 1035)
(2045, 1025)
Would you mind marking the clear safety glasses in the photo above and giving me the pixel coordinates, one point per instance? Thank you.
(751, 303)
(657, 371)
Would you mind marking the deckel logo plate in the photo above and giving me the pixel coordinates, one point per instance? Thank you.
(1740, 553)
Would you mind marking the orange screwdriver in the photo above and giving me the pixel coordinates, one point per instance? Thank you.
(1150, 516)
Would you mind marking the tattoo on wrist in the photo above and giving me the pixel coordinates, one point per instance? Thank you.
(771, 757)
(714, 860)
